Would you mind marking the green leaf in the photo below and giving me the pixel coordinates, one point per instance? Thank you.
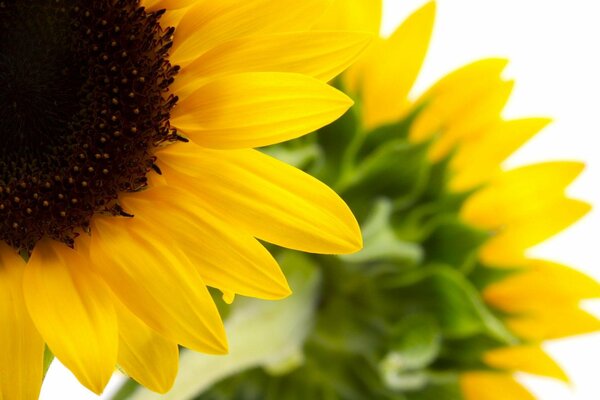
(381, 243)
(416, 341)
(336, 142)
(300, 153)
(396, 171)
(454, 243)
(466, 354)
(48, 358)
(445, 292)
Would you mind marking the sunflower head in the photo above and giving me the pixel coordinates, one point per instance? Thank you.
(129, 183)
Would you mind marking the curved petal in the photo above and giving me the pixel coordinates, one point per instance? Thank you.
(352, 15)
(268, 198)
(209, 23)
(541, 284)
(144, 355)
(155, 5)
(322, 55)
(529, 359)
(21, 346)
(226, 257)
(543, 221)
(257, 109)
(72, 309)
(492, 386)
(391, 67)
(156, 281)
(453, 96)
(553, 323)
(477, 159)
(516, 195)
(476, 116)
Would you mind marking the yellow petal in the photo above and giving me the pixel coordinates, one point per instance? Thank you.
(451, 99)
(173, 17)
(352, 15)
(144, 355)
(529, 359)
(322, 55)
(226, 257)
(547, 219)
(479, 115)
(22, 347)
(257, 109)
(270, 199)
(492, 386)
(157, 282)
(155, 5)
(541, 284)
(553, 323)
(72, 309)
(209, 23)
(479, 158)
(392, 66)
(518, 194)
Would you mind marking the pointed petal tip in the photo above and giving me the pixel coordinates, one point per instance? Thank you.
(95, 386)
(283, 292)
(355, 245)
(430, 6)
(221, 344)
(353, 240)
(278, 290)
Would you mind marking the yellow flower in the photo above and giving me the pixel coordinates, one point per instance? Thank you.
(461, 117)
(128, 180)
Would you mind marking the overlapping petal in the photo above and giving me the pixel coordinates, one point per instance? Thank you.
(514, 195)
(210, 23)
(479, 159)
(541, 284)
(322, 55)
(145, 355)
(226, 257)
(257, 109)
(451, 101)
(352, 15)
(526, 358)
(492, 386)
(546, 220)
(22, 347)
(268, 198)
(553, 323)
(72, 309)
(383, 90)
(157, 282)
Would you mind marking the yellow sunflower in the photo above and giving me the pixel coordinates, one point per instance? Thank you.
(128, 182)
(443, 302)
(460, 116)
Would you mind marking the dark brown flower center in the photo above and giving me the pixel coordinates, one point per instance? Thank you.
(84, 102)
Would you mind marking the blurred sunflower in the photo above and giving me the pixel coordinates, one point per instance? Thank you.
(460, 120)
(128, 182)
(443, 302)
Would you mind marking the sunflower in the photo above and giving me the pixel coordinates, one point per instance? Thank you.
(128, 182)
(443, 302)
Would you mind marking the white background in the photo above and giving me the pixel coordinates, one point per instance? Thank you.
(554, 48)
